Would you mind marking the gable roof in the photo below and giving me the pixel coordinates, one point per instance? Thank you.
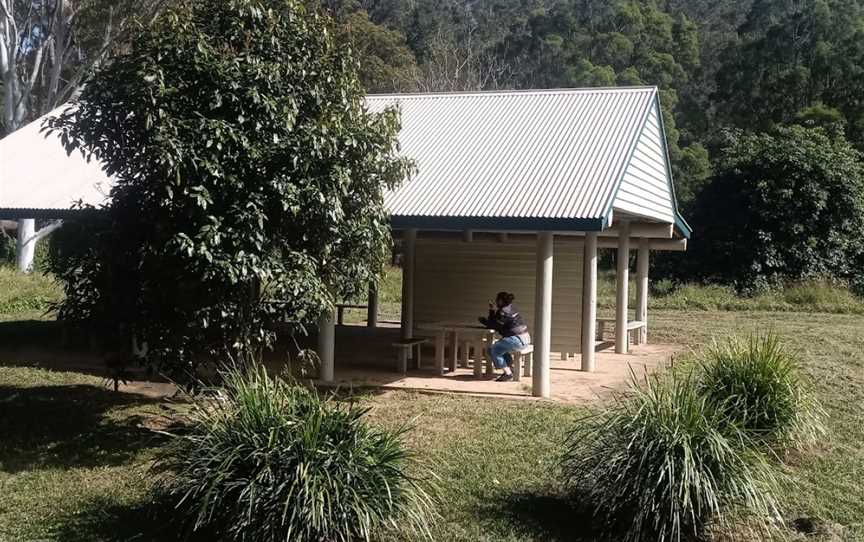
(38, 178)
(562, 160)
(535, 160)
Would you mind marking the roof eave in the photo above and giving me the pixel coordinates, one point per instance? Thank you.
(484, 223)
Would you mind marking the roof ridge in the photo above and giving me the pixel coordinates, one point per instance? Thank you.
(523, 92)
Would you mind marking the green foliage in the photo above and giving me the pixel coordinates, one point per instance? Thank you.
(247, 171)
(268, 460)
(784, 206)
(661, 463)
(757, 385)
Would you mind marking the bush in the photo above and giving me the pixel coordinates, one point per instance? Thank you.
(756, 384)
(659, 464)
(266, 460)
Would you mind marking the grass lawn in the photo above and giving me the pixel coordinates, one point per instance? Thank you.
(73, 455)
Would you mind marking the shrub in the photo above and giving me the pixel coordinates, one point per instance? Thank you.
(658, 465)
(266, 460)
(758, 387)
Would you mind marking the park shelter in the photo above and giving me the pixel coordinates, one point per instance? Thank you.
(512, 191)
(516, 191)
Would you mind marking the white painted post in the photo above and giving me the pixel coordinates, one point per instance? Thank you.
(589, 301)
(327, 345)
(372, 307)
(543, 315)
(26, 244)
(642, 288)
(409, 238)
(623, 279)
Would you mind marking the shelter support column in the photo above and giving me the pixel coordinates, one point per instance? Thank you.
(409, 239)
(543, 315)
(623, 280)
(327, 345)
(26, 244)
(589, 301)
(372, 307)
(642, 289)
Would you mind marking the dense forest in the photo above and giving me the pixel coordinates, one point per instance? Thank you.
(736, 77)
(763, 99)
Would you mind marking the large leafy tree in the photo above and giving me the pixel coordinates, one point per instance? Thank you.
(786, 205)
(250, 181)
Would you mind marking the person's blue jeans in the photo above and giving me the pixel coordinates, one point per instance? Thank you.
(500, 350)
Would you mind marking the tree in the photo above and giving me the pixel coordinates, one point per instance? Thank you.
(786, 205)
(250, 181)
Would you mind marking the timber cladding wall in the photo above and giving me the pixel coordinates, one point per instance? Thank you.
(455, 280)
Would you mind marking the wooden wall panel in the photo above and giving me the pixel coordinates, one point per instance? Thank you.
(455, 280)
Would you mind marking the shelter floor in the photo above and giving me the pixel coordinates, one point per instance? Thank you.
(365, 358)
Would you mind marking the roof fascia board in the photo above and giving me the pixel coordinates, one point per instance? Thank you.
(482, 223)
(22, 213)
(682, 225)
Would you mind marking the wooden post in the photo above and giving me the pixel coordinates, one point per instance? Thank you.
(589, 301)
(642, 289)
(327, 345)
(409, 238)
(543, 315)
(372, 307)
(622, 279)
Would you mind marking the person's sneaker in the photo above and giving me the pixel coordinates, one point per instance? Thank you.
(504, 378)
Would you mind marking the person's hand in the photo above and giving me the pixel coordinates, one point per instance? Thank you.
(491, 306)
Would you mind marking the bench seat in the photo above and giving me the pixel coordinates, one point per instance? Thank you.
(404, 347)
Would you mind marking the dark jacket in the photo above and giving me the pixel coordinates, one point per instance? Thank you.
(506, 321)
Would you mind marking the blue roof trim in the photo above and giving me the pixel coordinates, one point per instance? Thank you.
(484, 223)
(682, 225)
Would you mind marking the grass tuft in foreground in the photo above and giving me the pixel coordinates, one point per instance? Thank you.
(268, 460)
(660, 464)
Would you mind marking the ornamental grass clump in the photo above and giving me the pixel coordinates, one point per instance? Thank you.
(757, 385)
(267, 460)
(660, 464)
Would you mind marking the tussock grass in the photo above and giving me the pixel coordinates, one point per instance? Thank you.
(757, 384)
(662, 463)
(268, 460)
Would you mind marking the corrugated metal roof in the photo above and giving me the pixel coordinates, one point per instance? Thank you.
(550, 157)
(36, 174)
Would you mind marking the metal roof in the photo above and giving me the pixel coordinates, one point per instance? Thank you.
(549, 159)
(38, 178)
(520, 160)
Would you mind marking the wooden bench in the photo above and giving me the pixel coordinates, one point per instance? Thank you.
(632, 325)
(522, 355)
(403, 351)
(340, 311)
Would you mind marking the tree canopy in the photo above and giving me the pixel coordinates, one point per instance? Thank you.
(250, 180)
(785, 205)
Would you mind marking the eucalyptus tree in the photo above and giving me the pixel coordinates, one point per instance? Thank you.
(250, 182)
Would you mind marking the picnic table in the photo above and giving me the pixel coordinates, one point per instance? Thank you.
(473, 334)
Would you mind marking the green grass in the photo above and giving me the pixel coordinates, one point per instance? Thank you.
(26, 296)
(496, 459)
(810, 296)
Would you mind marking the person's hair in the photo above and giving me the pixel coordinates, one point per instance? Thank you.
(506, 297)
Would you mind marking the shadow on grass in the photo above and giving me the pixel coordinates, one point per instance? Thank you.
(547, 516)
(70, 426)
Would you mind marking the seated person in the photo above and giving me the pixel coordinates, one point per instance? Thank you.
(505, 319)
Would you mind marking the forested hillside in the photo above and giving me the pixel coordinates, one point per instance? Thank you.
(725, 68)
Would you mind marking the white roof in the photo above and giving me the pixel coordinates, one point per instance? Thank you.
(37, 174)
(547, 159)
(532, 160)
